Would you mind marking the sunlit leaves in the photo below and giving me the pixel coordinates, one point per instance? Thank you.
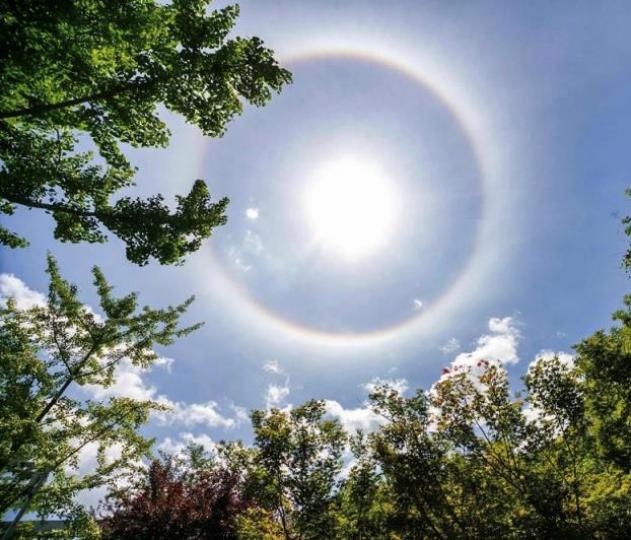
(95, 74)
(46, 422)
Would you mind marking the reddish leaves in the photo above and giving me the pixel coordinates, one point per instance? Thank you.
(170, 505)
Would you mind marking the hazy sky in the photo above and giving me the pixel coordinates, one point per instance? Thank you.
(441, 178)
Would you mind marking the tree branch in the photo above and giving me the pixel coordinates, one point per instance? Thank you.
(99, 96)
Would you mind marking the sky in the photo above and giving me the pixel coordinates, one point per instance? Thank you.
(442, 182)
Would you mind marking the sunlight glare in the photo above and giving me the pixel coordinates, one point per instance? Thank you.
(350, 205)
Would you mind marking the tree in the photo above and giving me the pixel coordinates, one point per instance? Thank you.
(92, 72)
(363, 503)
(48, 353)
(605, 359)
(413, 462)
(515, 475)
(294, 469)
(188, 499)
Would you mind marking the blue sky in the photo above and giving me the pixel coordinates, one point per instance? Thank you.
(500, 132)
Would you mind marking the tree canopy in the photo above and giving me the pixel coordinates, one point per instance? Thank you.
(49, 353)
(466, 458)
(178, 497)
(79, 79)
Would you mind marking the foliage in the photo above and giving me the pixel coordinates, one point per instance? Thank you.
(363, 504)
(76, 75)
(188, 499)
(293, 470)
(49, 353)
(465, 459)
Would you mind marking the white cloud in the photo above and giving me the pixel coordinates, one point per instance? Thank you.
(24, 297)
(418, 304)
(177, 447)
(87, 457)
(353, 419)
(252, 213)
(565, 359)
(87, 464)
(164, 362)
(244, 252)
(451, 346)
(171, 446)
(129, 382)
(272, 366)
(363, 417)
(534, 414)
(500, 345)
(190, 414)
(276, 394)
(236, 257)
(240, 413)
(400, 385)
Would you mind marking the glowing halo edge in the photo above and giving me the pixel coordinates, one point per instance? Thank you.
(266, 319)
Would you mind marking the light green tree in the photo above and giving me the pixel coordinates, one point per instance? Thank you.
(48, 353)
(294, 470)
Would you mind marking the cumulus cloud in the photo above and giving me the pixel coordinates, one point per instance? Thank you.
(418, 304)
(565, 359)
(252, 243)
(87, 462)
(238, 261)
(178, 446)
(499, 345)
(400, 385)
(164, 362)
(240, 413)
(24, 297)
(534, 414)
(276, 394)
(362, 418)
(244, 252)
(129, 382)
(190, 414)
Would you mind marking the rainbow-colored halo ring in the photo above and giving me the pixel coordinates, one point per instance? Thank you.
(267, 322)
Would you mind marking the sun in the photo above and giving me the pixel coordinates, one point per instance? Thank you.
(350, 205)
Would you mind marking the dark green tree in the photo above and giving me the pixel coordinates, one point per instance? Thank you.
(413, 463)
(363, 503)
(605, 358)
(81, 73)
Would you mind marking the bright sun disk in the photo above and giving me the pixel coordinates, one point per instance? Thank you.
(350, 205)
